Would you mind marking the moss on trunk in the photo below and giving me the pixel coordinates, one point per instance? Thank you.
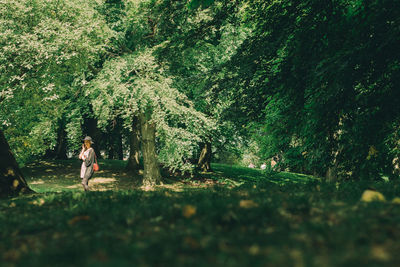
(134, 146)
(151, 173)
(204, 162)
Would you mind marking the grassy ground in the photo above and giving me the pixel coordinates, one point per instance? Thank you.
(232, 217)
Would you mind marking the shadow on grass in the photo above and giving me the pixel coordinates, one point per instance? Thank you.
(263, 224)
(248, 218)
(236, 175)
(63, 176)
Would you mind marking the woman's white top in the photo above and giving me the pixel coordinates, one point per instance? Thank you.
(83, 167)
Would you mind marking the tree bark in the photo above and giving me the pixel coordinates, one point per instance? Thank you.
(332, 171)
(61, 148)
(204, 162)
(120, 151)
(134, 146)
(115, 140)
(111, 150)
(12, 181)
(151, 173)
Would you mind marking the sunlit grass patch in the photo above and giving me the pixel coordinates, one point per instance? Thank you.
(63, 175)
(237, 175)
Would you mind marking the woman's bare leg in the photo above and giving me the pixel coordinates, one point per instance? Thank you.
(85, 184)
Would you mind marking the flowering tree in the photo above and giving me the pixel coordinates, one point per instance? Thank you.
(135, 88)
(46, 47)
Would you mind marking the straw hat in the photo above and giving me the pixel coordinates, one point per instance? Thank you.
(88, 138)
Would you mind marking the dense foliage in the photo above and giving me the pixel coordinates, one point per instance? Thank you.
(313, 84)
(320, 81)
(46, 49)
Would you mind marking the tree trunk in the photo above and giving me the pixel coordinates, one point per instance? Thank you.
(118, 140)
(111, 151)
(332, 171)
(151, 173)
(204, 162)
(12, 181)
(61, 148)
(134, 146)
(331, 174)
(115, 140)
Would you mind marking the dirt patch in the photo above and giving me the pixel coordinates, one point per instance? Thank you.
(74, 186)
(102, 180)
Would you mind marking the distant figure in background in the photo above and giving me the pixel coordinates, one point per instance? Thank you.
(263, 166)
(274, 161)
(87, 156)
(251, 165)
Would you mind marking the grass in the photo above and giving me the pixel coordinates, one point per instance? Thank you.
(232, 217)
(63, 175)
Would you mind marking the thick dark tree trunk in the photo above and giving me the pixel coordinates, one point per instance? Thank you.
(204, 162)
(111, 151)
(61, 148)
(12, 181)
(151, 173)
(118, 140)
(94, 132)
(115, 149)
(134, 146)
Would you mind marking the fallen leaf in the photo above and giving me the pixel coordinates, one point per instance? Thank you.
(380, 253)
(15, 183)
(254, 250)
(188, 211)
(396, 200)
(247, 204)
(38, 202)
(77, 219)
(369, 196)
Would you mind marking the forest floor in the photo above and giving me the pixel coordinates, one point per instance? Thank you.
(232, 217)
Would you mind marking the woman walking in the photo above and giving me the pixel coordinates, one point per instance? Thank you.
(87, 156)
